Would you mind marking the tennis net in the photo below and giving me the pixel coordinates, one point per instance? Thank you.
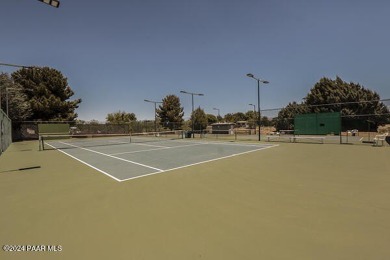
(156, 136)
(59, 141)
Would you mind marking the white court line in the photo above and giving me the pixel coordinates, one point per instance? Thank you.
(157, 149)
(117, 142)
(140, 151)
(149, 145)
(93, 167)
(189, 165)
(226, 143)
(118, 158)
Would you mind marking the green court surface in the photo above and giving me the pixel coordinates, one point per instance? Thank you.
(293, 201)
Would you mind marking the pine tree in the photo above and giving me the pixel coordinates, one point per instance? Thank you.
(48, 93)
(199, 118)
(18, 106)
(170, 113)
(357, 105)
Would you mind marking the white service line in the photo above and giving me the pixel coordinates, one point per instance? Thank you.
(157, 149)
(93, 167)
(227, 143)
(118, 158)
(151, 145)
(117, 142)
(189, 165)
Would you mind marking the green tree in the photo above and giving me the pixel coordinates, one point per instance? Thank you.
(199, 118)
(252, 118)
(265, 121)
(356, 103)
(93, 122)
(239, 116)
(80, 122)
(18, 106)
(187, 125)
(285, 119)
(229, 117)
(170, 112)
(233, 118)
(120, 117)
(48, 93)
(211, 119)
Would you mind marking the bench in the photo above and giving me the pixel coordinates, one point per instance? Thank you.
(293, 139)
(380, 138)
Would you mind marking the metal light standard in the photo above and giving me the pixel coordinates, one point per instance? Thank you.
(258, 97)
(54, 3)
(17, 66)
(218, 113)
(155, 112)
(192, 94)
(254, 108)
(254, 112)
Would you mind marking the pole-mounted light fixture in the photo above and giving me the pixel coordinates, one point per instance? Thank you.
(54, 3)
(250, 75)
(192, 94)
(217, 110)
(155, 112)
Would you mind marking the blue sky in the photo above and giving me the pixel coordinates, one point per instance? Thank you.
(115, 54)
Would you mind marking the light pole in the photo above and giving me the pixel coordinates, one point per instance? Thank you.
(54, 3)
(254, 113)
(192, 94)
(218, 113)
(254, 108)
(155, 112)
(258, 97)
(17, 66)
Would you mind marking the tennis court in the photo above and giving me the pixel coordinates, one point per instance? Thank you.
(123, 159)
(294, 201)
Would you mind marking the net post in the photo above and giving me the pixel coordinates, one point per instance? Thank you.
(41, 143)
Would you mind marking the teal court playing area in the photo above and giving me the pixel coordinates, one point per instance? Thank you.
(123, 160)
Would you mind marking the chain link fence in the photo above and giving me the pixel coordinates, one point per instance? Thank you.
(5, 131)
(276, 125)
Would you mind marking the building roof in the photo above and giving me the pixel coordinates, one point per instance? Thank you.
(215, 124)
